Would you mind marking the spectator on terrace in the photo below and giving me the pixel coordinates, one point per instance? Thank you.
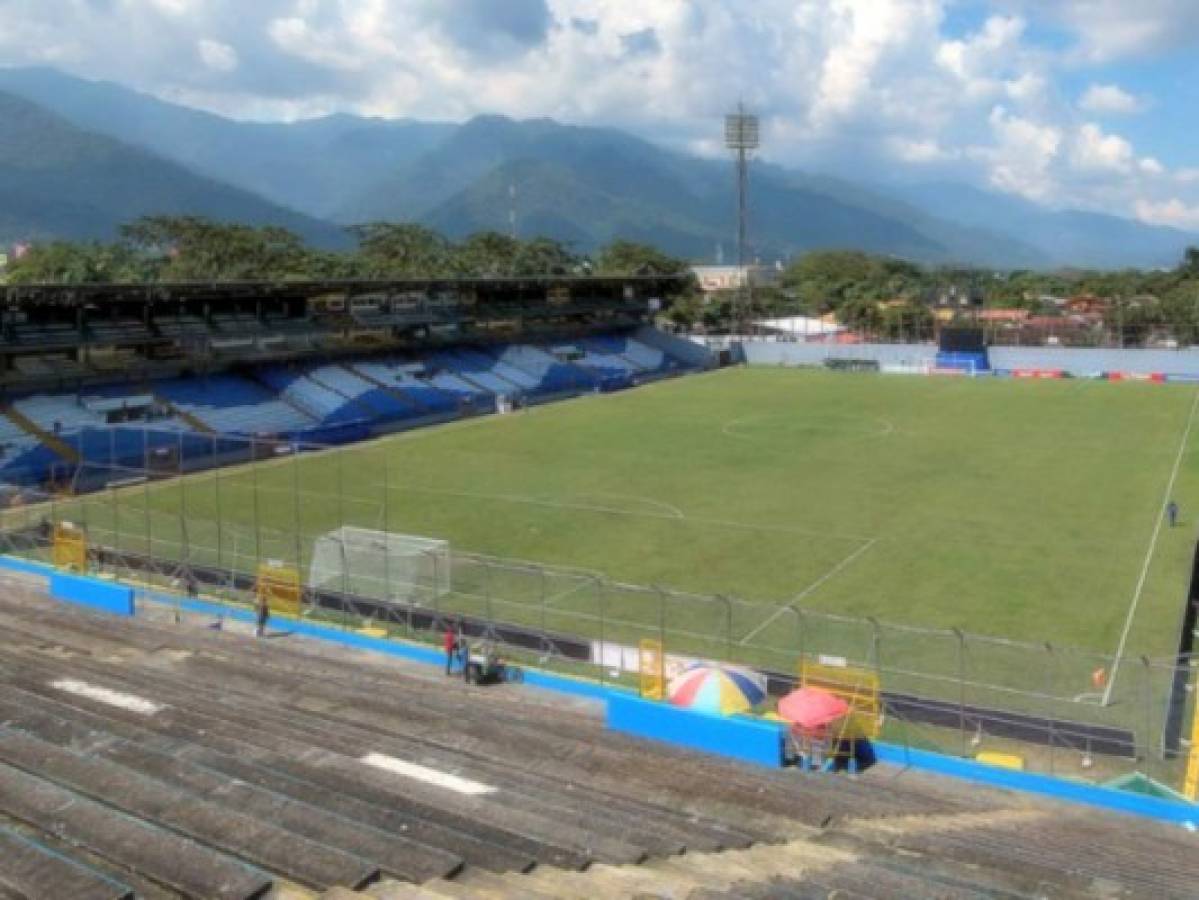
(464, 655)
(1172, 513)
(262, 610)
(450, 643)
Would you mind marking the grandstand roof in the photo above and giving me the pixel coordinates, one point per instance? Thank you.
(77, 294)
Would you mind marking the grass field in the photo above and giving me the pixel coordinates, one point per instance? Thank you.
(1018, 509)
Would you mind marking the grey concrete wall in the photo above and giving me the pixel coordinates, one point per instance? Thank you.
(764, 353)
(1090, 362)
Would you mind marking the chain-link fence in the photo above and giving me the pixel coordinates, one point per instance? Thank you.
(193, 530)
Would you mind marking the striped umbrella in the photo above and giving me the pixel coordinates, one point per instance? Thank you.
(717, 689)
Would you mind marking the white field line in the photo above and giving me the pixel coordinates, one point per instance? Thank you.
(562, 595)
(673, 511)
(611, 510)
(732, 426)
(428, 776)
(1149, 553)
(827, 576)
(130, 702)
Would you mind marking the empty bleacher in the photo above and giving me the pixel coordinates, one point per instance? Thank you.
(477, 371)
(398, 376)
(384, 405)
(322, 403)
(14, 441)
(160, 759)
(553, 375)
(229, 404)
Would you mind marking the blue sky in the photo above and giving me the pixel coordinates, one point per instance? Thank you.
(1070, 103)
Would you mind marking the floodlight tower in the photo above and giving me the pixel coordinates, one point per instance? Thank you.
(742, 136)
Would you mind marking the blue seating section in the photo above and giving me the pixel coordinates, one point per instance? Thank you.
(553, 376)
(230, 404)
(18, 450)
(397, 376)
(193, 421)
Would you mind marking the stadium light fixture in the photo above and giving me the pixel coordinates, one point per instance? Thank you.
(742, 135)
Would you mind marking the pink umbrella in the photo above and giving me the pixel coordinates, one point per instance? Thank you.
(811, 708)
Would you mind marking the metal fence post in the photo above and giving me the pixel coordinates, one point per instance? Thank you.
(487, 593)
(728, 626)
(801, 636)
(661, 618)
(603, 637)
(1049, 692)
(114, 495)
(1148, 703)
(220, 525)
(961, 687)
(544, 600)
(296, 518)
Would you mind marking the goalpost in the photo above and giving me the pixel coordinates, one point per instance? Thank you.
(381, 565)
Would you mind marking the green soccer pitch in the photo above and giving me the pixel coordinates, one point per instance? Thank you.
(1020, 509)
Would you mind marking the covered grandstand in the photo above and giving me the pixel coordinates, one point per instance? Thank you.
(125, 375)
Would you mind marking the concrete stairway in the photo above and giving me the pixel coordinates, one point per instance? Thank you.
(33, 429)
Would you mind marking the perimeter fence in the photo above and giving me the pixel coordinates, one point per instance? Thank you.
(210, 532)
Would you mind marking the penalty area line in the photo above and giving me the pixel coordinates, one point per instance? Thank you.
(1149, 554)
(811, 588)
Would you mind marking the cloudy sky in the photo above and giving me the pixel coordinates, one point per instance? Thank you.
(1089, 103)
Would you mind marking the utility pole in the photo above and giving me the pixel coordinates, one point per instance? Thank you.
(512, 210)
(742, 136)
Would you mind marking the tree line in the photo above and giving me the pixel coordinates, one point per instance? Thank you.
(164, 249)
(881, 294)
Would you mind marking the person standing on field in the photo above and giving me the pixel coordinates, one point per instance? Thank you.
(263, 615)
(450, 644)
(1172, 513)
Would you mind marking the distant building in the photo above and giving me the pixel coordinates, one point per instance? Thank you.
(803, 328)
(714, 279)
(1002, 316)
(1087, 305)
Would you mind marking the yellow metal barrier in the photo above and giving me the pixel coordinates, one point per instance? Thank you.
(653, 670)
(69, 550)
(280, 588)
(857, 687)
(1190, 785)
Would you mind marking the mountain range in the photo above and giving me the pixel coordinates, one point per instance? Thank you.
(78, 158)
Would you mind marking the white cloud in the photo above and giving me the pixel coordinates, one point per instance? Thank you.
(1021, 159)
(1096, 151)
(919, 150)
(1151, 166)
(1110, 98)
(1108, 30)
(217, 56)
(1173, 212)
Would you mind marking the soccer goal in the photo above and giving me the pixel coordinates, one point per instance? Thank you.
(381, 565)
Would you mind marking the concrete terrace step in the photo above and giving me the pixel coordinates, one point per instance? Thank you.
(190, 744)
(33, 870)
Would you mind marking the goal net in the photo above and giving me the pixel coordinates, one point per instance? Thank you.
(380, 565)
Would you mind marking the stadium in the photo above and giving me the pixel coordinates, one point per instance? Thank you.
(966, 543)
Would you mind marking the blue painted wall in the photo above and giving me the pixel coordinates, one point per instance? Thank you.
(748, 740)
(1046, 785)
(103, 596)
